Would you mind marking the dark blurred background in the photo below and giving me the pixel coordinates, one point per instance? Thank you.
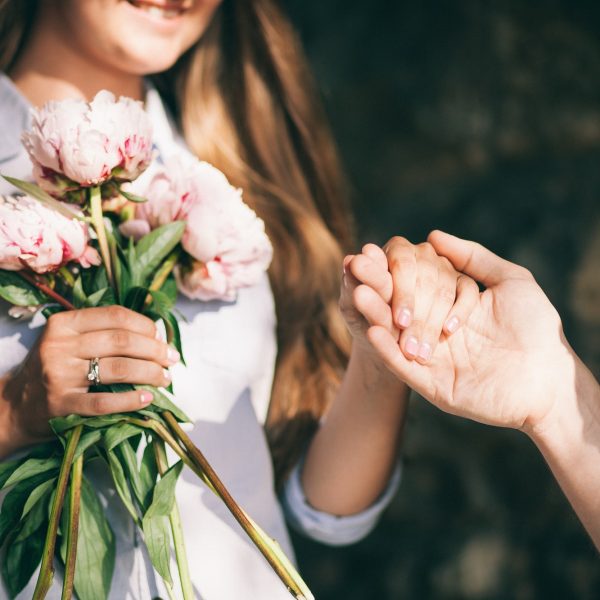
(483, 119)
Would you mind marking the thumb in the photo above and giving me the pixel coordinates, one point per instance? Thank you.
(472, 258)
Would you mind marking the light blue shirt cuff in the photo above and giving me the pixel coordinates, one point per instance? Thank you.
(327, 528)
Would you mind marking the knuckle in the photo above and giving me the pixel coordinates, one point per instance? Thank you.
(120, 339)
(401, 264)
(119, 369)
(426, 248)
(119, 315)
(447, 294)
(56, 322)
(524, 273)
(100, 404)
(394, 242)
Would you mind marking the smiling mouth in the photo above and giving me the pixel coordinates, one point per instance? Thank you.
(167, 10)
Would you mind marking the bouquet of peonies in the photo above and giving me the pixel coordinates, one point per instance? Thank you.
(90, 233)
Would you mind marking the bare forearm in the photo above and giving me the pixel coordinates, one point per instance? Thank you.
(571, 447)
(352, 455)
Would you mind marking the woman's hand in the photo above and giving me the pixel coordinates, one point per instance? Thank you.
(408, 290)
(53, 382)
(509, 364)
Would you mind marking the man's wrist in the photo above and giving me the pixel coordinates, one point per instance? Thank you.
(575, 418)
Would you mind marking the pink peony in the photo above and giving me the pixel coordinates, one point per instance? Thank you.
(224, 237)
(35, 237)
(73, 143)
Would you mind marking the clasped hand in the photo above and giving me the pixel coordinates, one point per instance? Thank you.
(497, 356)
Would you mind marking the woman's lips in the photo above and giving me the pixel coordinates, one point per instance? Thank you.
(163, 9)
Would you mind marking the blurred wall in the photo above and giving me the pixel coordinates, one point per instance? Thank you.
(481, 118)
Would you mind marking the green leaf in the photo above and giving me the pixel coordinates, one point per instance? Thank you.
(35, 517)
(157, 534)
(148, 473)
(169, 289)
(86, 441)
(14, 501)
(121, 484)
(17, 291)
(31, 467)
(174, 335)
(61, 424)
(153, 248)
(161, 302)
(164, 493)
(21, 562)
(103, 297)
(7, 469)
(135, 298)
(95, 548)
(133, 197)
(162, 402)
(40, 491)
(130, 467)
(79, 296)
(118, 433)
(36, 192)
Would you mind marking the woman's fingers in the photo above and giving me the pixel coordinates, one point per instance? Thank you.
(370, 271)
(105, 403)
(119, 369)
(376, 254)
(373, 308)
(409, 371)
(402, 265)
(100, 318)
(121, 342)
(467, 296)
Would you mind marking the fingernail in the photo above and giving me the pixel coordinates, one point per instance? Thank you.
(451, 324)
(167, 374)
(424, 351)
(412, 346)
(404, 317)
(146, 397)
(172, 355)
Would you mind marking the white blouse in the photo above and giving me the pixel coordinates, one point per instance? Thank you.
(230, 349)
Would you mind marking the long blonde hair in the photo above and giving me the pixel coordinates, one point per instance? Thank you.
(245, 101)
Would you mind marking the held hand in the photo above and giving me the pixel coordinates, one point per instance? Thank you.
(428, 297)
(509, 364)
(53, 379)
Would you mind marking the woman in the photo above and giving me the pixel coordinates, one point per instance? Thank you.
(237, 92)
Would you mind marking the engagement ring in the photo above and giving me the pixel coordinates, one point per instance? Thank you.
(94, 371)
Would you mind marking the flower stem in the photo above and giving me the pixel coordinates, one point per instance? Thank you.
(67, 276)
(47, 568)
(176, 528)
(163, 272)
(98, 224)
(46, 289)
(73, 532)
(267, 546)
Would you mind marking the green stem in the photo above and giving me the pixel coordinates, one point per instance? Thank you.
(73, 532)
(46, 290)
(67, 276)
(165, 270)
(267, 546)
(176, 528)
(98, 224)
(47, 568)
